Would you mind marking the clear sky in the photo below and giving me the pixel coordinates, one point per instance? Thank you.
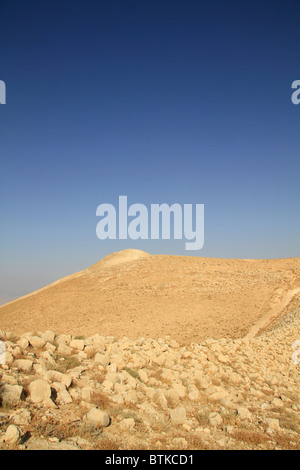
(162, 101)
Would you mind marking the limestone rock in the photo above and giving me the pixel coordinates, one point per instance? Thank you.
(10, 394)
(178, 416)
(24, 364)
(39, 390)
(12, 435)
(98, 417)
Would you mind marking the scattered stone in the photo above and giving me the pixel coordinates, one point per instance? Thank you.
(36, 342)
(215, 419)
(12, 435)
(64, 350)
(127, 423)
(55, 376)
(22, 418)
(101, 359)
(86, 394)
(49, 336)
(39, 390)
(77, 344)
(151, 387)
(273, 424)
(179, 443)
(98, 417)
(24, 364)
(244, 414)
(23, 343)
(178, 415)
(10, 394)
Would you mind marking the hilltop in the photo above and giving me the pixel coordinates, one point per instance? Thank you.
(132, 293)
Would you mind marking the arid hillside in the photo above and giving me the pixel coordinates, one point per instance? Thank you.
(134, 294)
(155, 352)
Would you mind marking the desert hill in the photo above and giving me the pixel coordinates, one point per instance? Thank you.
(134, 294)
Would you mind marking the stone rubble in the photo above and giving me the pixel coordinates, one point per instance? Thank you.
(65, 392)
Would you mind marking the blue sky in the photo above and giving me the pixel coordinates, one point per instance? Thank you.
(169, 101)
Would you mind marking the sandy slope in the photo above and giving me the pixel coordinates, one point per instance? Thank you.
(134, 294)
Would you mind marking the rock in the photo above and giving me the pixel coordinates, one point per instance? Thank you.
(12, 435)
(75, 394)
(215, 419)
(131, 397)
(9, 358)
(77, 344)
(167, 374)
(86, 394)
(81, 355)
(277, 403)
(22, 418)
(244, 414)
(49, 404)
(118, 398)
(143, 376)
(160, 399)
(64, 350)
(14, 350)
(273, 424)
(224, 359)
(101, 359)
(23, 343)
(179, 443)
(63, 339)
(24, 364)
(47, 356)
(39, 390)
(98, 417)
(119, 388)
(107, 385)
(36, 342)
(193, 393)
(112, 377)
(180, 389)
(127, 423)
(41, 367)
(201, 381)
(172, 396)
(90, 350)
(178, 415)
(63, 397)
(55, 376)
(49, 336)
(50, 347)
(10, 394)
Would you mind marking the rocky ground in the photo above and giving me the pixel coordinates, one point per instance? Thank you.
(64, 392)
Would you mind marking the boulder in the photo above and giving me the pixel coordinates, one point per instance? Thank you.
(12, 435)
(24, 365)
(98, 417)
(39, 390)
(10, 394)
